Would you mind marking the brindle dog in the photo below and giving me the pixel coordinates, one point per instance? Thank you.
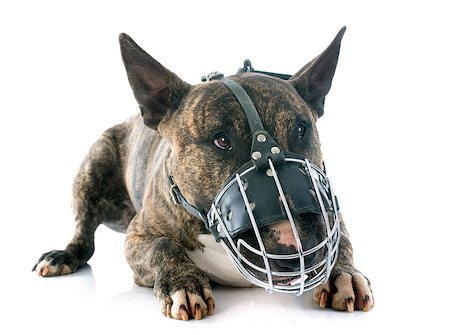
(199, 135)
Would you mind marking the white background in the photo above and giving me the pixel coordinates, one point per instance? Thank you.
(384, 136)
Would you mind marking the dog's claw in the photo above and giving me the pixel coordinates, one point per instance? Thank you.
(350, 304)
(198, 312)
(168, 310)
(43, 271)
(323, 299)
(184, 313)
(368, 304)
(211, 305)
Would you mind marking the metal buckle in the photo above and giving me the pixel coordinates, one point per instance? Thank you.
(247, 67)
(174, 195)
(174, 191)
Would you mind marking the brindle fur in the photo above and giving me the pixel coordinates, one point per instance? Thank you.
(123, 180)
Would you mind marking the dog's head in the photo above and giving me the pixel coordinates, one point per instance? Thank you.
(209, 135)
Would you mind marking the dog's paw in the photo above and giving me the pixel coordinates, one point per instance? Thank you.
(184, 293)
(55, 263)
(345, 292)
(185, 305)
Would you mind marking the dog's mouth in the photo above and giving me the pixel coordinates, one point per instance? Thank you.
(289, 280)
(287, 276)
(292, 281)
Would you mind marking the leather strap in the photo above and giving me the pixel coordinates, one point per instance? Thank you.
(178, 199)
(241, 95)
(264, 146)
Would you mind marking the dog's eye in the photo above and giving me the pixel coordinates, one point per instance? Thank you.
(301, 131)
(222, 142)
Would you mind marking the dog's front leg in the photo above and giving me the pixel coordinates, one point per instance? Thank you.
(347, 289)
(160, 262)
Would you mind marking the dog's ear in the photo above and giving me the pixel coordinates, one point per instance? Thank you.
(313, 81)
(156, 89)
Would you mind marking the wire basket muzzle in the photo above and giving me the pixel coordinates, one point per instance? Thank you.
(252, 200)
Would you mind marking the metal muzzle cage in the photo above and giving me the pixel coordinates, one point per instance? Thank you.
(253, 199)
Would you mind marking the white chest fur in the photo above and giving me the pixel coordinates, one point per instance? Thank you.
(214, 261)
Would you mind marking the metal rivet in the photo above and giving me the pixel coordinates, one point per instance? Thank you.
(219, 228)
(261, 138)
(256, 155)
(275, 150)
(269, 173)
(252, 205)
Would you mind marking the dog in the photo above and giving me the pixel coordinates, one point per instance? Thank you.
(196, 137)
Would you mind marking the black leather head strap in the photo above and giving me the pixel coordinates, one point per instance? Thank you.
(263, 145)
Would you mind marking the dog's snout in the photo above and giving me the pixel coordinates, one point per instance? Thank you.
(307, 235)
(286, 234)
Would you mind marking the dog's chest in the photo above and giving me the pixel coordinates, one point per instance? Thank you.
(214, 261)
